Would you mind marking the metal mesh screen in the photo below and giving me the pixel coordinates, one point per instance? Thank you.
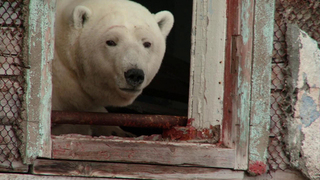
(306, 14)
(11, 81)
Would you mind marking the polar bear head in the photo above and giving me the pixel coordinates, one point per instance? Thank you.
(116, 48)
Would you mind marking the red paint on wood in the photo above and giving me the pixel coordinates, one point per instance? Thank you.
(257, 168)
(189, 132)
(230, 77)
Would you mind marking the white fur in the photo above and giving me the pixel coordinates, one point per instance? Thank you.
(87, 73)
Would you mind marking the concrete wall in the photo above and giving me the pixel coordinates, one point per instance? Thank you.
(303, 125)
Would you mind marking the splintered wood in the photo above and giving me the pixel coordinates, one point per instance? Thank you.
(78, 147)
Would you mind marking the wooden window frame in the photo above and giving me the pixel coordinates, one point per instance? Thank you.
(230, 47)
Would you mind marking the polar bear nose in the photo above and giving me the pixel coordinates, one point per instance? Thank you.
(134, 77)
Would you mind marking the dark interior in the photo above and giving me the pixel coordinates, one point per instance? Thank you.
(169, 91)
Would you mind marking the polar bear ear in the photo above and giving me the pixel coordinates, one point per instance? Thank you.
(165, 21)
(80, 15)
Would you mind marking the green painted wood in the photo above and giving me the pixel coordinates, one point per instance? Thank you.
(39, 53)
(243, 85)
(261, 85)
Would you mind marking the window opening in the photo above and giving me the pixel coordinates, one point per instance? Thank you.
(167, 95)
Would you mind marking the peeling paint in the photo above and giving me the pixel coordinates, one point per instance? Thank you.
(257, 168)
(302, 137)
(38, 78)
(208, 51)
(260, 93)
(189, 132)
(308, 110)
(210, 7)
(245, 19)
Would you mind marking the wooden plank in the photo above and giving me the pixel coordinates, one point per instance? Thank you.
(8, 176)
(207, 63)
(11, 40)
(243, 85)
(260, 93)
(235, 129)
(38, 78)
(16, 167)
(9, 153)
(135, 171)
(77, 147)
(231, 73)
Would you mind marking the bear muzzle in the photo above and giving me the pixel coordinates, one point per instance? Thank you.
(134, 78)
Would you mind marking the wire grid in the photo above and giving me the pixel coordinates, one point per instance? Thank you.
(306, 14)
(11, 81)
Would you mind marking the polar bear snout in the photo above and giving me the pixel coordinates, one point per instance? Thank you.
(134, 77)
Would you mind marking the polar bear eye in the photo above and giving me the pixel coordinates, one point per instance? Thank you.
(147, 44)
(111, 43)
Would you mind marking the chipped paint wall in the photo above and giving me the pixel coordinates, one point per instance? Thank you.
(303, 124)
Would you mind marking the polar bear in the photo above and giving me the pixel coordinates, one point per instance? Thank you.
(106, 53)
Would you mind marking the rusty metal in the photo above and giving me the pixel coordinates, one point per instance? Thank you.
(112, 119)
(306, 14)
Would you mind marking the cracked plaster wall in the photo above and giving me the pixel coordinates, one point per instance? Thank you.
(303, 123)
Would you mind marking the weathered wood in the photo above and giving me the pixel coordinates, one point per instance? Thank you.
(207, 63)
(136, 171)
(16, 167)
(8, 176)
(230, 73)
(261, 79)
(79, 147)
(38, 79)
(243, 85)
(237, 97)
(223, 174)
(10, 39)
